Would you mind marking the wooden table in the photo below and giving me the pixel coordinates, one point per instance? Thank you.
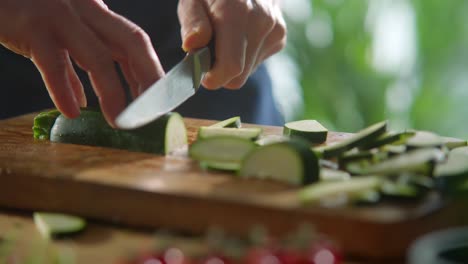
(99, 243)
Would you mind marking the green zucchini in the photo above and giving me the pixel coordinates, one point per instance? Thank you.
(290, 162)
(453, 173)
(247, 133)
(364, 136)
(270, 139)
(221, 152)
(55, 224)
(234, 122)
(162, 136)
(415, 161)
(389, 138)
(424, 139)
(310, 130)
(351, 188)
(333, 175)
(452, 143)
(399, 190)
(43, 123)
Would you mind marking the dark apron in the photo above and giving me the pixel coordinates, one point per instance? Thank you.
(22, 90)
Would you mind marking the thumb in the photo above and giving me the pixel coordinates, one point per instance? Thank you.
(196, 29)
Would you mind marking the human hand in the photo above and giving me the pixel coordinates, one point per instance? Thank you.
(52, 32)
(246, 32)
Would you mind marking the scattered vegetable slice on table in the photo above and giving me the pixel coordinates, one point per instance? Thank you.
(310, 130)
(56, 224)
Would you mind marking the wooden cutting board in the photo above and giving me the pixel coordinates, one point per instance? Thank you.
(155, 191)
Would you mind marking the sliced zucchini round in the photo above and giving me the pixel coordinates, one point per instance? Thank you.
(248, 133)
(424, 139)
(290, 162)
(161, 136)
(55, 224)
(364, 136)
(351, 187)
(416, 161)
(310, 130)
(234, 122)
(221, 152)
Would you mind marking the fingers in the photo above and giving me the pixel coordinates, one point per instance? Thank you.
(246, 32)
(75, 82)
(52, 63)
(127, 42)
(195, 24)
(97, 61)
(129, 76)
(261, 17)
(229, 20)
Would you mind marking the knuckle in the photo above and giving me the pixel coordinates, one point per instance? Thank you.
(280, 31)
(140, 36)
(234, 68)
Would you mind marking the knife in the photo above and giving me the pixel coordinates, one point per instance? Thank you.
(179, 84)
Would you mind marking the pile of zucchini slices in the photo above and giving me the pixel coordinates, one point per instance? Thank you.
(371, 166)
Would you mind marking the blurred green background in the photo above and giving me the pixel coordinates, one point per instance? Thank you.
(350, 63)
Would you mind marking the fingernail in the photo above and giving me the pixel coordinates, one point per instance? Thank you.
(189, 35)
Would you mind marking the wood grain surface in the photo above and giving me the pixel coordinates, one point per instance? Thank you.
(146, 190)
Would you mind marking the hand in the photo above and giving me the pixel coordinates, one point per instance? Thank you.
(52, 32)
(246, 32)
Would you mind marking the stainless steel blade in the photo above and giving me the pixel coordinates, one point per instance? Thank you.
(180, 83)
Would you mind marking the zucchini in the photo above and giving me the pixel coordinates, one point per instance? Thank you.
(234, 122)
(221, 152)
(162, 136)
(333, 175)
(310, 130)
(424, 139)
(55, 224)
(247, 133)
(389, 138)
(415, 161)
(453, 173)
(452, 143)
(43, 123)
(364, 136)
(399, 190)
(270, 139)
(354, 186)
(290, 162)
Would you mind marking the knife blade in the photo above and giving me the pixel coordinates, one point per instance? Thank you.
(179, 84)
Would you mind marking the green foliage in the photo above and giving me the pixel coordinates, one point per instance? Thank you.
(344, 90)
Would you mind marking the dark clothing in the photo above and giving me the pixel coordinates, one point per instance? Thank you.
(23, 91)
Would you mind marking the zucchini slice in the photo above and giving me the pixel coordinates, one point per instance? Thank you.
(290, 162)
(247, 133)
(161, 136)
(453, 173)
(389, 138)
(364, 136)
(416, 161)
(55, 224)
(352, 187)
(221, 152)
(452, 143)
(270, 139)
(234, 122)
(424, 139)
(310, 130)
